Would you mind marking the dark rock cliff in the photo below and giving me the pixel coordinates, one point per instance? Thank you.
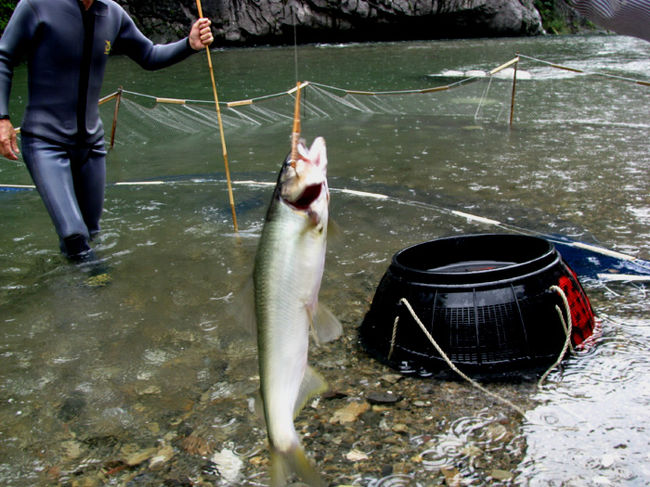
(254, 22)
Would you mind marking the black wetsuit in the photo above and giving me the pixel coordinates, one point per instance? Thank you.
(62, 135)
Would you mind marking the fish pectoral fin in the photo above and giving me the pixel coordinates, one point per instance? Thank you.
(312, 384)
(325, 326)
(258, 407)
(243, 307)
(333, 230)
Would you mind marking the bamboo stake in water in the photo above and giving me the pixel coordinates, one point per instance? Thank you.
(514, 90)
(223, 139)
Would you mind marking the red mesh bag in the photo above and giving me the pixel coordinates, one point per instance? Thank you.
(582, 315)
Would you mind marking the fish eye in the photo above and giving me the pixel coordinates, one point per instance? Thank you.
(289, 162)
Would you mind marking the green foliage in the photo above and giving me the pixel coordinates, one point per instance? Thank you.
(558, 17)
(550, 18)
(6, 9)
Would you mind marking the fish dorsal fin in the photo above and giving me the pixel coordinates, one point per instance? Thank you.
(325, 326)
(312, 384)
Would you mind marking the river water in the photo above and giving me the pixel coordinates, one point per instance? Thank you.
(144, 375)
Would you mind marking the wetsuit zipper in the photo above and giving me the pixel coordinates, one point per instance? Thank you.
(84, 71)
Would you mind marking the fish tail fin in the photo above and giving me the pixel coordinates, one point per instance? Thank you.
(294, 461)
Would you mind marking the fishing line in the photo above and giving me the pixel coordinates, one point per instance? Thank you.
(296, 119)
(295, 41)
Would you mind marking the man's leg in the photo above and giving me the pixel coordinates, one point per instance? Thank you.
(89, 175)
(49, 166)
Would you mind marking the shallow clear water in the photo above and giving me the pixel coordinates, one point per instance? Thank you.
(155, 363)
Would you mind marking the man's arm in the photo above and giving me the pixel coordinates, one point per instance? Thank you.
(156, 56)
(19, 30)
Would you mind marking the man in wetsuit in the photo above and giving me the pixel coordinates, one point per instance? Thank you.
(67, 43)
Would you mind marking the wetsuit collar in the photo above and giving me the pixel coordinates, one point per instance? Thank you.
(98, 7)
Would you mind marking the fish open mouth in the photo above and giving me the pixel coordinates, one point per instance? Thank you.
(307, 197)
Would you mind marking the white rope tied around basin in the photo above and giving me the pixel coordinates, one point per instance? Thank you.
(394, 336)
(568, 328)
(449, 362)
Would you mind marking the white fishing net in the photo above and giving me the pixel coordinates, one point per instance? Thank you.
(478, 97)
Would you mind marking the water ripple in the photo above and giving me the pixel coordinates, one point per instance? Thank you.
(395, 480)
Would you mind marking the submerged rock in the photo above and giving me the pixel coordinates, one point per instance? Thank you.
(134, 455)
(387, 397)
(72, 449)
(228, 464)
(350, 413)
(161, 457)
(498, 474)
(355, 455)
(72, 407)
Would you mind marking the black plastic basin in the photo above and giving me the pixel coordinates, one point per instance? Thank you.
(485, 299)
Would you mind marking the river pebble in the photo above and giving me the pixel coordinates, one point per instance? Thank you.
(355, 455)
(350, 413)
(452, 476)
(132, 454)
(387, 397)
(195, 445)
(72, 449)
(228, 464)
(497, 474)
(161, 457)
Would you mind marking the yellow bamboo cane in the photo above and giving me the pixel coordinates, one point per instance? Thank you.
(118, 99)
(223, 140)
(295, 133)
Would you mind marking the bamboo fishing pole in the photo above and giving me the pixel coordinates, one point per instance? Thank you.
(295, 133)
(223, 139)
(118, 99)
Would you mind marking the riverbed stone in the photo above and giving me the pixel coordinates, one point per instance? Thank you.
(72, 406)
(134, 455)
(161, 457)
(382, 397)
(498, 474)
(350, 412)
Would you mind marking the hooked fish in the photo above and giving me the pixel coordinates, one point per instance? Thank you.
(288, 270)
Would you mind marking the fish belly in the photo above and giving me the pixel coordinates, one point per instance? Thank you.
(287, 277)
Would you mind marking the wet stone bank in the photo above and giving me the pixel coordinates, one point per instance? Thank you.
(375, 428)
